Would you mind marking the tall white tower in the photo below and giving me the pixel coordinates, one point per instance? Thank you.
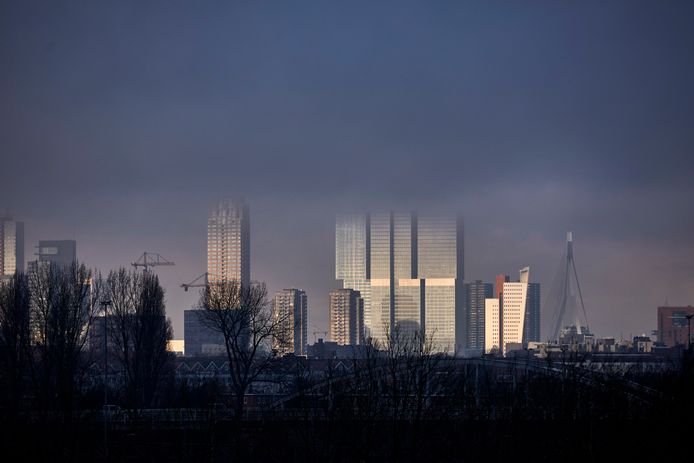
(11, 247)
(229, 243)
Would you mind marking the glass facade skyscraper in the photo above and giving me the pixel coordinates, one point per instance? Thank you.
(352, 256)
(414, 270)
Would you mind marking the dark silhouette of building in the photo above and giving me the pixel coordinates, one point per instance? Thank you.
(531, 327)
(61, 253)
(292, 306)
(474, 295)
(199, 338)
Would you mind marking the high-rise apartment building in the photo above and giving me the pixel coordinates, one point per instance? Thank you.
(512, 318)
(291, 306)
(229, 243)
(11, 247)
(413, 269)
(346, 317)
(474, 296)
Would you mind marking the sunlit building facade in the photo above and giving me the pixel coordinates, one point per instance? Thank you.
(290, 306)
(11, 247)
(440, 266)
(352, 257)
(346, 317)
(229, 243)
(414, 270)
(506, 317)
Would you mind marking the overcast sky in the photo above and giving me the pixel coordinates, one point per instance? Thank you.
(123, 123)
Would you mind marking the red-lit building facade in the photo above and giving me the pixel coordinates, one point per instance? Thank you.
(672, 325)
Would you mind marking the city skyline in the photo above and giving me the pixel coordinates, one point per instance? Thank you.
(319, 317)
(530, 121)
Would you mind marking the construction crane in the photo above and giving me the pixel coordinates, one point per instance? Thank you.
(150, 259)
(197, 283)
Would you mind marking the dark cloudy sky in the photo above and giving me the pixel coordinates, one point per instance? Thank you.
(123, 123)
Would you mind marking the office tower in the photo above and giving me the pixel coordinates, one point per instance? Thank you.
(505, 315)
(291, 306)
(346, 317)
(674, 326)
(474, 295)
(531, 328)
(352, 256)
(198, 337)
(229, 243)
(378, 321)
(440, 267)
(61, 253)
(406, 315)
(414, 270)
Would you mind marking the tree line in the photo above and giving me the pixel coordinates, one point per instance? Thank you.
(49, 316)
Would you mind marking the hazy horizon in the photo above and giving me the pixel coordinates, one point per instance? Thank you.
(122, 125)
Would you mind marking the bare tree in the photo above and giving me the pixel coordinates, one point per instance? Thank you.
(139, 332)
(242, 315)
(63, 303)
(14, 335)
(411, 361)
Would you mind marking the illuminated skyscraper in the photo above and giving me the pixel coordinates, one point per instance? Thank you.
(229, 243)
(11, 247)
(413, 267)
(379, 319)
(352, 256)
(440, 266)
(513, 317)
(291, 305)
(346, 317)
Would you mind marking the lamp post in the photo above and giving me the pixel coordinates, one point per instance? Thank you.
(104, 309)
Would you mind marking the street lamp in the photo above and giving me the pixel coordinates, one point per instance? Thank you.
(105, 304)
